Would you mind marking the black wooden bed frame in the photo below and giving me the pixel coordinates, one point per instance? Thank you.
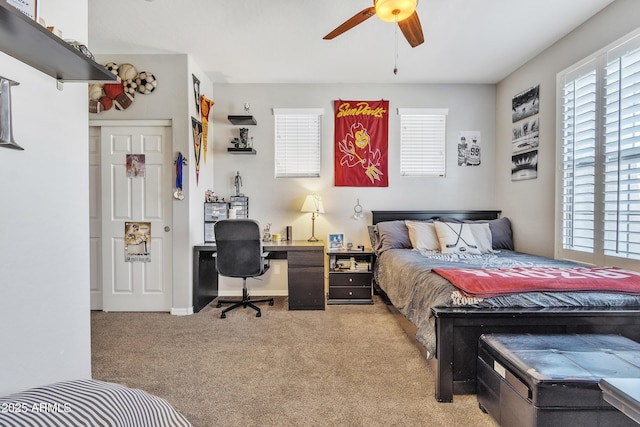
(458, 329)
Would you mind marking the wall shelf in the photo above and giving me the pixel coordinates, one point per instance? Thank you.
(241, 150)
(242, 120)
(26, 40)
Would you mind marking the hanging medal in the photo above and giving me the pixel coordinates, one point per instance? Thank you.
(178, 194)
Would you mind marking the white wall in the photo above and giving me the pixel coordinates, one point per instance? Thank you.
(173, 99)
(531, 204)
(278, 201)
(44, 222)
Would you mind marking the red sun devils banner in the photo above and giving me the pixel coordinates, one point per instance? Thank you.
(361, 141)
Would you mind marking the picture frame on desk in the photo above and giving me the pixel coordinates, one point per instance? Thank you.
(335, 241)
(27, 7)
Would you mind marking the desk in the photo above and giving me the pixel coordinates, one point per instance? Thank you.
(305, 273)
(623, 394)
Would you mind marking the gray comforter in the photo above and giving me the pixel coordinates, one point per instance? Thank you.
(405, 276)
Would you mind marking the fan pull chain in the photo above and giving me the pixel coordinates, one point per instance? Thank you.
(395, 65)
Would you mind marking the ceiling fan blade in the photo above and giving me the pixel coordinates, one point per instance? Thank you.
(356, 19)
(412, 30)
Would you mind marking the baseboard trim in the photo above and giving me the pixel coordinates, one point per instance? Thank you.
(181, 311)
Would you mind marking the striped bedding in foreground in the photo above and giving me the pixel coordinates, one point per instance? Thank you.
(87, 403)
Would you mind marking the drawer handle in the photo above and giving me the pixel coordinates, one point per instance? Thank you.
(350, 279)
(350, 293)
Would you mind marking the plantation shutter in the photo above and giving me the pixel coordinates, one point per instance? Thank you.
(297, 142)
(622, 151)
(422, 141)
(579, 139)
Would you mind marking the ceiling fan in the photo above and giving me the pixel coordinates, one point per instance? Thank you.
(401, 11)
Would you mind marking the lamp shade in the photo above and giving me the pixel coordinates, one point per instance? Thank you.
(313, 203)
(390, 10)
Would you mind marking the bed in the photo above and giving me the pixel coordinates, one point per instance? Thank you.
(87, 402)
(446, 322)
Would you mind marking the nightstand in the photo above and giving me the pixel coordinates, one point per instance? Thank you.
(350, 277)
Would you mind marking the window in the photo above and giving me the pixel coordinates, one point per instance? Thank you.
(600, 156)
(422, 141)
(297, 139)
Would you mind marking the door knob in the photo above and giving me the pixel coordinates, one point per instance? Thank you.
(167, 228)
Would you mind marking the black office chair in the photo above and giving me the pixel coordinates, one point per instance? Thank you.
(239, 254)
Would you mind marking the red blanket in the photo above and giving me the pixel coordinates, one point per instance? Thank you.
(483, 283)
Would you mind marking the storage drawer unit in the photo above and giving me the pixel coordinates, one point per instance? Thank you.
(306, 279)
(350, 277)
(552, 380)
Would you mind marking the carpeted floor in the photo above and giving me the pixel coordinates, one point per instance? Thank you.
(349, 365)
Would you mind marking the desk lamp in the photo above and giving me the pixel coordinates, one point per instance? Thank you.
(313, 204)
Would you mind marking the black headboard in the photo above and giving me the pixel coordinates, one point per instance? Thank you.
(379, 216)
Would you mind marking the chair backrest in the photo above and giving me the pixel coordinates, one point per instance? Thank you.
(238, 247)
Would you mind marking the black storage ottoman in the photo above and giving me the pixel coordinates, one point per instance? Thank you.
(552, 380)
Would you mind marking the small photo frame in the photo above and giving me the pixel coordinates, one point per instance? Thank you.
(336, 241)
(28, 7)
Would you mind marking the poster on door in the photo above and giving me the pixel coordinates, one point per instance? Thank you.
(137, 241)
(361, 143)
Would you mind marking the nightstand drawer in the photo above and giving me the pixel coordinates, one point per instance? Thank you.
(350, 279)
(349, 292)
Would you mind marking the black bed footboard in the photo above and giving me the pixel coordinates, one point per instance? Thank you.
(458, 331)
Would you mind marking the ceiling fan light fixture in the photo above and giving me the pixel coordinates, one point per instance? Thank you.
(395, 10)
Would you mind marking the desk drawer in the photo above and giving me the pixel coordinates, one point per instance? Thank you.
(305, 259)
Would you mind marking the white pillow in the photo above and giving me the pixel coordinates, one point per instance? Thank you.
(423, 235)
(482, 234)
(456, 238)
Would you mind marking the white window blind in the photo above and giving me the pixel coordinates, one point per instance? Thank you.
(600, 162)
(622, 154)
(578, 160)
(422, 141)
(297, 142)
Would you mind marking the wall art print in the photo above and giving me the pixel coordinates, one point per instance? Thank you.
(525, 104)
(137, 242)
(525, 134)
(361, 143)
(469, 148)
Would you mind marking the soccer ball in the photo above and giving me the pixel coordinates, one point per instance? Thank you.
(130, 86)
(146, 82)
(112, 67)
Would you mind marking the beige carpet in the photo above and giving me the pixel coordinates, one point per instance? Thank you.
(348, 365)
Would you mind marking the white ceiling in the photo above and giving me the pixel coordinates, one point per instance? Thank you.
(280, 41)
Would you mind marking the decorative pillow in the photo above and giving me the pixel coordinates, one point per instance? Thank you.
(482, 235)
(392, 235)
(501, 234)
(422, 235)
(455, 237)
(373, 235)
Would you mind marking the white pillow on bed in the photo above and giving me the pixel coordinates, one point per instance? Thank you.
(456, 238)
(423, 235)
(482, 234)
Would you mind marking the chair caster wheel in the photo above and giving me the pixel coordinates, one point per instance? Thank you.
(270, 302)
(258, 314)
(223, 316)
(218, 305)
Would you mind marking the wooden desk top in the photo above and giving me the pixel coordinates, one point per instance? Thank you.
(281, 246)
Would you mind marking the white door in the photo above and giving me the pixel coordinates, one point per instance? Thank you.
(147, 198)
(95, 215)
